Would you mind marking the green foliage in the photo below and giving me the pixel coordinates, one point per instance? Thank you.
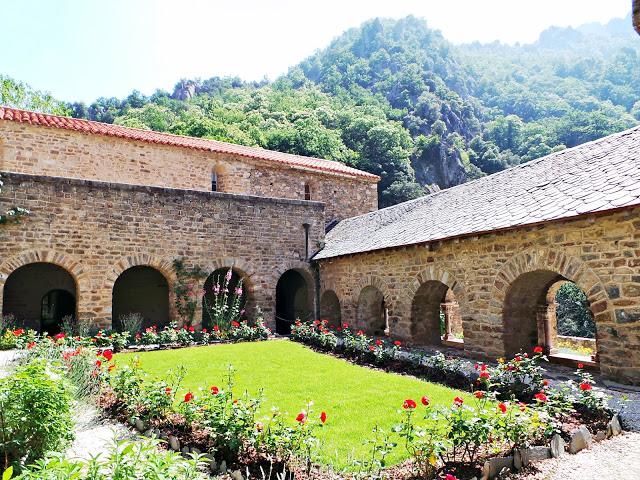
(124, 461)
(573, 314)
(35, 414)
(20, 95)
(186, 296)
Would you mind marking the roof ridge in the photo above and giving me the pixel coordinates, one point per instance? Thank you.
(164, 138)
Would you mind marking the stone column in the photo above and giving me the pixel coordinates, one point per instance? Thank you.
(452, 320)
(547, 327)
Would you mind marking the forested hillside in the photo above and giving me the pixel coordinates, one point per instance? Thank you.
(397, 99)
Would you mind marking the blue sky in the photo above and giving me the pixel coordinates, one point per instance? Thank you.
(82, 49)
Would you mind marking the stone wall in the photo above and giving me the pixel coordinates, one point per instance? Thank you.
(57, 152)
(601, 254)
(96, 231)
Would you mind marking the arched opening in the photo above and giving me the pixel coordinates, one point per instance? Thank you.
(225, 296)
(330, 307)
(372, 311)
(293, 301)
(435, 315)
(537, 306)
(40, 296)
(142, 290)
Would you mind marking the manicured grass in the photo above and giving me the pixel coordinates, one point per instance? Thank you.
(355, 398)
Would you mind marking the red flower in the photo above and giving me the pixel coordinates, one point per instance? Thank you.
(581, 365)
(19, 331)
(378, 342)
(301, 418)
(518, 358)
(537, 349)
(397, 343)
(476, 366)
(167, 391)
(323, 417)
(502, 407)
(372, 348)
(59, 336)
(345, 325)
(540, 396)
(188, 397)
(458, 401)
(448, 476)
(235, 324)
(98, 363)
(545, 382)
(108, 355)
(204, 330)
(485, 375)
(360, 332)
(479, 394)
(216, 328)
(30, 345)
(523, 406)
(215, 390)
(191, 329)
(408, 403)
(483, 368)
(585, 386)
(111, 367)
(425, 401)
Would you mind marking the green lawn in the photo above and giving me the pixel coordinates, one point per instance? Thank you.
(355, 398)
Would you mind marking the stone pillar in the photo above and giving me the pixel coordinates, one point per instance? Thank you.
(547, 327)
(452, 320)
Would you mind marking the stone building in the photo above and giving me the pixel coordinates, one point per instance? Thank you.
(488, 256)
(113, 207)
(474, 267)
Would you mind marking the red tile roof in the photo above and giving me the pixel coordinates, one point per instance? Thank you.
(97, 128)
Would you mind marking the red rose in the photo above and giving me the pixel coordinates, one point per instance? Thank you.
(523, 406)
(378, 342)
(188, 397)
(191, 329)
(30, 345)
(167, 391)
(19, 331)
(216, 328)
(545, 382)
(581, 365)
(458, 401)
(540, 396)
(59, 336)
(215, 390)
(479, 394)
(485, 375)
(98, 363)
(518, 358)
(585, 386)
(235, 324)
(448, 476)
(345, 325)
(360, 332)
(425, 401)
(408, 403)
(397, 343)
(301, 417)
(537, 349)
(108, 355)
(323, 417)
(502, 407)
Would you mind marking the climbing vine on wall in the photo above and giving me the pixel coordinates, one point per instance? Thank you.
(14, 214)
(185, 289)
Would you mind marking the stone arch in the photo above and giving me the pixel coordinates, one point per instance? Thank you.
(330, 307)
(164, 266)
(240, 272)
(142, 290)
(295, 298)
(40, 295)
(71, 265)
(372, 300)
(523, 284)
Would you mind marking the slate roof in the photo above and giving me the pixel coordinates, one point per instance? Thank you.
(97, 128)
(592, 177)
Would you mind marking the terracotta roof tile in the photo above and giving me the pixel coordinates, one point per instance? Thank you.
(594, 177)
(97, 128)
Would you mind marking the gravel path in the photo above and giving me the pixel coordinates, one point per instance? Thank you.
(617, 458)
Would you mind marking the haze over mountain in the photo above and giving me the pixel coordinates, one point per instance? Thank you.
(395, 98)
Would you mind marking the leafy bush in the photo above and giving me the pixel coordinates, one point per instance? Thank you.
(35, 413)
(125, 460)
(131, 322)
(522, 376)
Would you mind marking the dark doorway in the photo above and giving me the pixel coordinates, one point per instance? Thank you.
(292, 301)
(31, 288)
(55, 306)
(143, 290)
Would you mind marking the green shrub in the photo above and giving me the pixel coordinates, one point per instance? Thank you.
(35, 418)
(125, 461)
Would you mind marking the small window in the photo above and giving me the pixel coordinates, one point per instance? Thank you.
(214, 182)
(307, 192)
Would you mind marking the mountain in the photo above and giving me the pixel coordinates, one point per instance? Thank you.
(395, 98)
